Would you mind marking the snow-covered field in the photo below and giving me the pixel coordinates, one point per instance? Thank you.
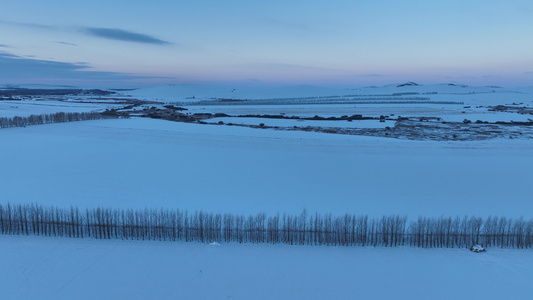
(139, 162)
(436, 92)
(202, 92)
(303, 123)
(471, 103)
(450, 113)
(24, 108)
(56, 268)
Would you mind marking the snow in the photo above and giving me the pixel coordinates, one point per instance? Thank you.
(36, 107)
(449, 113)
(475, 101)
(57, 268)
(137, 163)
(192, 93)
(303, 123)
(488, 116)
(436, 92)
(323, 110)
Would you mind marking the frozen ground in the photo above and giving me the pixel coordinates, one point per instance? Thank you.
(138, 163)
(436, 92)
(325, 110)
(25, 108)
(440, 103)
(56, 268)
(303, 123)
(450, 113)
(193, 93)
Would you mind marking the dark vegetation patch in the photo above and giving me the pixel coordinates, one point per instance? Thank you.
(59, 117)
(512, 109)
(417, 128)
(314, 118)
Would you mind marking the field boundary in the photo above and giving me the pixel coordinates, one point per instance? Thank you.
(301, 229)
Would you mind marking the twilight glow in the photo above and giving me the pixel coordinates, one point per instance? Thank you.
(339, 42)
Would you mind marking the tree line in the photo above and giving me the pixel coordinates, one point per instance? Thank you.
(300, 229)
(59, 117)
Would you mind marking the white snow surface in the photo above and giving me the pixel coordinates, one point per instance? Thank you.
(25, 108)
(138, 163)
(472, 103)
(436, 92)
(303, 123)
(193, 93)
(58, 268)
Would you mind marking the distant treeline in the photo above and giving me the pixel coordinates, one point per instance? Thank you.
(302, 229)
(59, 117)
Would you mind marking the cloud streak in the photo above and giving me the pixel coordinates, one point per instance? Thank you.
(16, 67)
(101, 32)
(29, 25)
(123, 35)
(370, 75)
(66, 43)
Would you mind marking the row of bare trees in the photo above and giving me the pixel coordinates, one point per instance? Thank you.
(302, 229)
(59, 117)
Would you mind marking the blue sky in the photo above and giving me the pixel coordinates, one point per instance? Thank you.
(337, 42)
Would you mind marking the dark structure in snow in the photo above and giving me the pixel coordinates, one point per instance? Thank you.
(477, 249)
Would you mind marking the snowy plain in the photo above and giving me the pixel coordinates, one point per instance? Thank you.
(302, 123)
(57, 268)
(449, 113)
(137, 163)
(24, 108)
(436, 92)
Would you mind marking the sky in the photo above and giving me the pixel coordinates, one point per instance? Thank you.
(330, 43)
